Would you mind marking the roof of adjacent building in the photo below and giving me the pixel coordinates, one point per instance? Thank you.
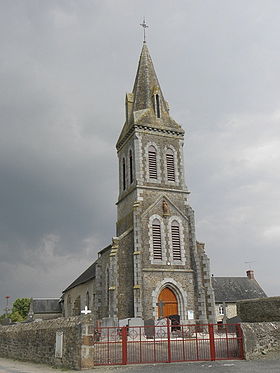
(88, 274)
(45, 305)
(232, 289)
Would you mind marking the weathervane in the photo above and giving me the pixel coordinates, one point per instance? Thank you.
(144, 25)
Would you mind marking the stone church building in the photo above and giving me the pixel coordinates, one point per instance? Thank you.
(154, 267)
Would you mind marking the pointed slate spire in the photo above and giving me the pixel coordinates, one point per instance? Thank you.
(146, 105)
(146, 84)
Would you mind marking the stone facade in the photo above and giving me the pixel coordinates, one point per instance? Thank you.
(229, 310)
(130, 275)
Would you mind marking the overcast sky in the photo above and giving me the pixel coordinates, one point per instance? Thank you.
(65, 67)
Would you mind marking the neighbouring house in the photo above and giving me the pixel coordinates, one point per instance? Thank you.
(45, 308)
(229, 290)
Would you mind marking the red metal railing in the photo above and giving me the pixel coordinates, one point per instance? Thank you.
(167, 343)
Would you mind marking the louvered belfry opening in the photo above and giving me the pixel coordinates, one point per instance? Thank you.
(170, 165)
(176, 244)
(152, 155)
(156, 229)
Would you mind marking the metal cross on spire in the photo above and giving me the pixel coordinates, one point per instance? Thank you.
(144, 25)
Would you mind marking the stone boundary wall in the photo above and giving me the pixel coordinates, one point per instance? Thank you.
(260, 338)
(36, 341)
(259, 310)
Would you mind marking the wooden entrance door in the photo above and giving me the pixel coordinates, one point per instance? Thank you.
(167, 303)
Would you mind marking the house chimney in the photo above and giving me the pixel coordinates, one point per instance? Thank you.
(250, 274)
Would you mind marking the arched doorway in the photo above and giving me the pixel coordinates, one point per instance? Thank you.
(167, 303)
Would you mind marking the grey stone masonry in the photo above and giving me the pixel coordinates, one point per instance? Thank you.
(36, 342)
(260, 338)
(153, 189)
(155, 251)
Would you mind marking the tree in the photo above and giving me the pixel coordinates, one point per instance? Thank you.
(19, 311)
(21, 308)
(16, 317)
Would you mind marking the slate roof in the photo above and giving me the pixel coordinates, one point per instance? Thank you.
(45, 305)
(87, 275)
(232, 289)
(146, 85)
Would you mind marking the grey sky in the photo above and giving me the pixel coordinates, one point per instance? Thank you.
(65, 67)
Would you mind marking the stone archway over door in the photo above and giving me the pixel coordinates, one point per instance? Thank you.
(167, 303)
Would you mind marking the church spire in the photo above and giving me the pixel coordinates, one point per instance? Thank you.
(146, 85)
(146, 104)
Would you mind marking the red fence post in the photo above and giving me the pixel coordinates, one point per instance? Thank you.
(124, 345)
(240, 341)
(168, 341)
(212, 342)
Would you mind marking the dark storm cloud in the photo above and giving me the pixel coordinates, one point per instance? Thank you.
(64, 69)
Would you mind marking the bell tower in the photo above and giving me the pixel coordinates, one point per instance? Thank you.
(160, 269)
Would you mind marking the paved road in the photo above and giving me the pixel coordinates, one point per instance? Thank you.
(256, 366)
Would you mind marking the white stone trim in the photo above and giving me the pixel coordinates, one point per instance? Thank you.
(182, 241)
(169, 182)
(138, 165)
(163, 247)
(180, 294)
(158, 159)
(181, 164)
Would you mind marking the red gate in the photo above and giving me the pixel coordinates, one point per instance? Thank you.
(167, 343)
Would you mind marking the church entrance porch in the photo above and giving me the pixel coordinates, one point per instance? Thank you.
(167, 303)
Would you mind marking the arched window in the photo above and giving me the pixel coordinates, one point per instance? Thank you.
(152, 157)
(170, 167)
(87, 299)
(157, 106)
(176, 242)
(156, 230)
(130, 167)
(123, 173)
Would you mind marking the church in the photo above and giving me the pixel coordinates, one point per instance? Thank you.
(154, 266)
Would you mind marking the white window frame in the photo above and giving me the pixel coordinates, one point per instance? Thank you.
(182, 241)
(158, 160)
(163, 247)
(221, 309)
(175, 157)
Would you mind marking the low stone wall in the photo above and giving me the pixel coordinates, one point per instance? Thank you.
(259, 310)
(260, 338)
(56, 342)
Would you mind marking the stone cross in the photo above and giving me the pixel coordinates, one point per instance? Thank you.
(86, 311)
(160, 305)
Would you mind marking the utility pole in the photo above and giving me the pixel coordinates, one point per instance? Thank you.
(7, 305)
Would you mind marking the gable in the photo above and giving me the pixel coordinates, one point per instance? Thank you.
(172, 209)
